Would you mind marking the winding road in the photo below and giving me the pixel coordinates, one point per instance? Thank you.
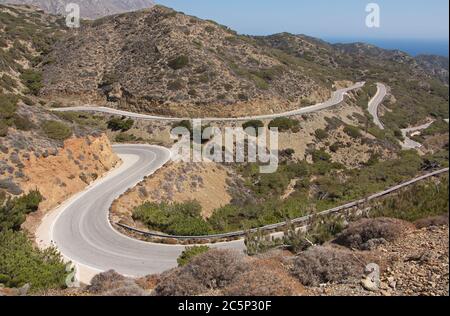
(373, 106)
(336, 98)
(80, 228)
(375, 102)
(81, 231)
(408, 143)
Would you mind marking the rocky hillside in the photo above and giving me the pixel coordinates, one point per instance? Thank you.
(25, 36)
(90, 9)
(435, 65)
(162, 61)
(39, 149)
(418, 86)
(357, 56)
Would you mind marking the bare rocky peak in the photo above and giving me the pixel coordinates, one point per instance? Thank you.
(90, 9)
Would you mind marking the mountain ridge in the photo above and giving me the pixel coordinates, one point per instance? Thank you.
(89, 9)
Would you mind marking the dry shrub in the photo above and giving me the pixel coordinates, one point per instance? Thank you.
(131, 289)
(264, 278)
(217, 268)
(113, 284)
(432, 221)
(320, 265)
(366, 234)
(178, 282)
(212, 270)
(148, 282)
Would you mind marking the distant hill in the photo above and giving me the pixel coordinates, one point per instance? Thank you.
(90, 9)
(435, 65)
(162, 61)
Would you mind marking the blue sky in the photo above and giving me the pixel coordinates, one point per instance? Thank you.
(328, 19)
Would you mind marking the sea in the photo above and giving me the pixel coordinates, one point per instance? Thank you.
(413, 47)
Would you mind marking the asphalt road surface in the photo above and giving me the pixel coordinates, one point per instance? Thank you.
(336, 98)
(83, 234)
(375, 102)
(408, 143)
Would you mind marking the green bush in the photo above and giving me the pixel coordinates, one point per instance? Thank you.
(321, 134)
(56, 130)
(32, 80)
(417, 202)
(21, 263)
(285, 124)
(125, 138)
(256, 124)
(335, 147)
(189, 253)
(320, 155)
(186, 124)
(120, 124)
(22, 123)
(3, 129)
(178, 62)
(182, 219)
(8, 82)
(13, 212)
(253, 123)
(8, 106)
(353, 131)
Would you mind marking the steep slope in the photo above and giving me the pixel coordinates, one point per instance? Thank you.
(90, 9)
(165, 62)
(39, 149)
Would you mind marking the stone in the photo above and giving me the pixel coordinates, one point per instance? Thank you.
(369, 285)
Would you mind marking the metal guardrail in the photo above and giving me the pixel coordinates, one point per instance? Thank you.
(300, 220)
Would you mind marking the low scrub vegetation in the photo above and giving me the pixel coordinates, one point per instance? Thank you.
(285, 124)
(366, 234)
(8, 107)
(20, 262)
(56, 130)
(32, 79)
(264, 279)
(176, 219)
(320, 230)
(110, 283)
(13, 212)
(189, 253)
(178, 62)
(417, 202)
(318, 187)
(213, 270)
(120, 124)
(125, 138)
(353, 131)
(319, 265)
(256, 124)
(321, 134)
